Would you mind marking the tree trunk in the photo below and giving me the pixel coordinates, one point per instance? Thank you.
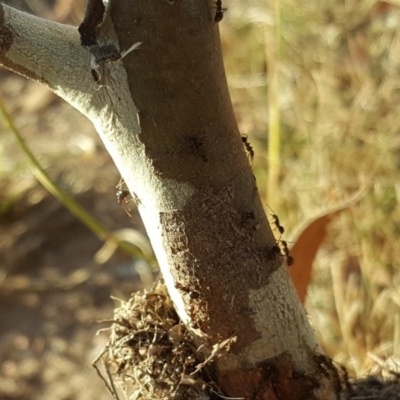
(164, 114)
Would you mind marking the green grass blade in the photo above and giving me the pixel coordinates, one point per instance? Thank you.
(65, 199)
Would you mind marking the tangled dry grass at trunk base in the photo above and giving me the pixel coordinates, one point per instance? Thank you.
(151, 355)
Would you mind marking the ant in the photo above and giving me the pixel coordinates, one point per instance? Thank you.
(122, 195)
(248, 147)
(286, 253)
(284, 246)
(220, 11)
(277, 224)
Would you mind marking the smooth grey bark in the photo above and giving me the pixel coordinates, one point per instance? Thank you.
(165, 116)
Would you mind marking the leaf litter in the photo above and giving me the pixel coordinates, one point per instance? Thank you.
(152, 355)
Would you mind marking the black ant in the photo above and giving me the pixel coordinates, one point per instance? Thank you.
(248, 147)
(286, 253)
(284, 246)
(277, 224)
(220, 11)
(122, 195)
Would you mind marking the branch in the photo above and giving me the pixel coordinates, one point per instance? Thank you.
(44, 51)
(51, 54)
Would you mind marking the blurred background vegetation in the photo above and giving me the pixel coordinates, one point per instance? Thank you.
(315, 86)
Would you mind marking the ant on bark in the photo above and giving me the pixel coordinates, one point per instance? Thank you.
(248, 147)
(220, 11)
(276, 222)
(284, 246)
(122, 195)
(286, 253)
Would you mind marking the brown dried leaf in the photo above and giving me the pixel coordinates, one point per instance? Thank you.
(309, 237)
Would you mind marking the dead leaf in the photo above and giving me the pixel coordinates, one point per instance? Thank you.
(309, 237)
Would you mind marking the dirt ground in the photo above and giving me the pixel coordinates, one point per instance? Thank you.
(52, 291)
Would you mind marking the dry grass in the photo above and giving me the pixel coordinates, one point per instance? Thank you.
(338, 72)
(152, 355)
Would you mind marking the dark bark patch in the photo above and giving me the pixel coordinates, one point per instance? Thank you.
(94, 15)
(1, 15)
(6, 36)
(274, 379)
(325, 367)
(280, 376)
(196, 146)
(374, 387)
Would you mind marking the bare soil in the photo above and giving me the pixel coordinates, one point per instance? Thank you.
(52, 291)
